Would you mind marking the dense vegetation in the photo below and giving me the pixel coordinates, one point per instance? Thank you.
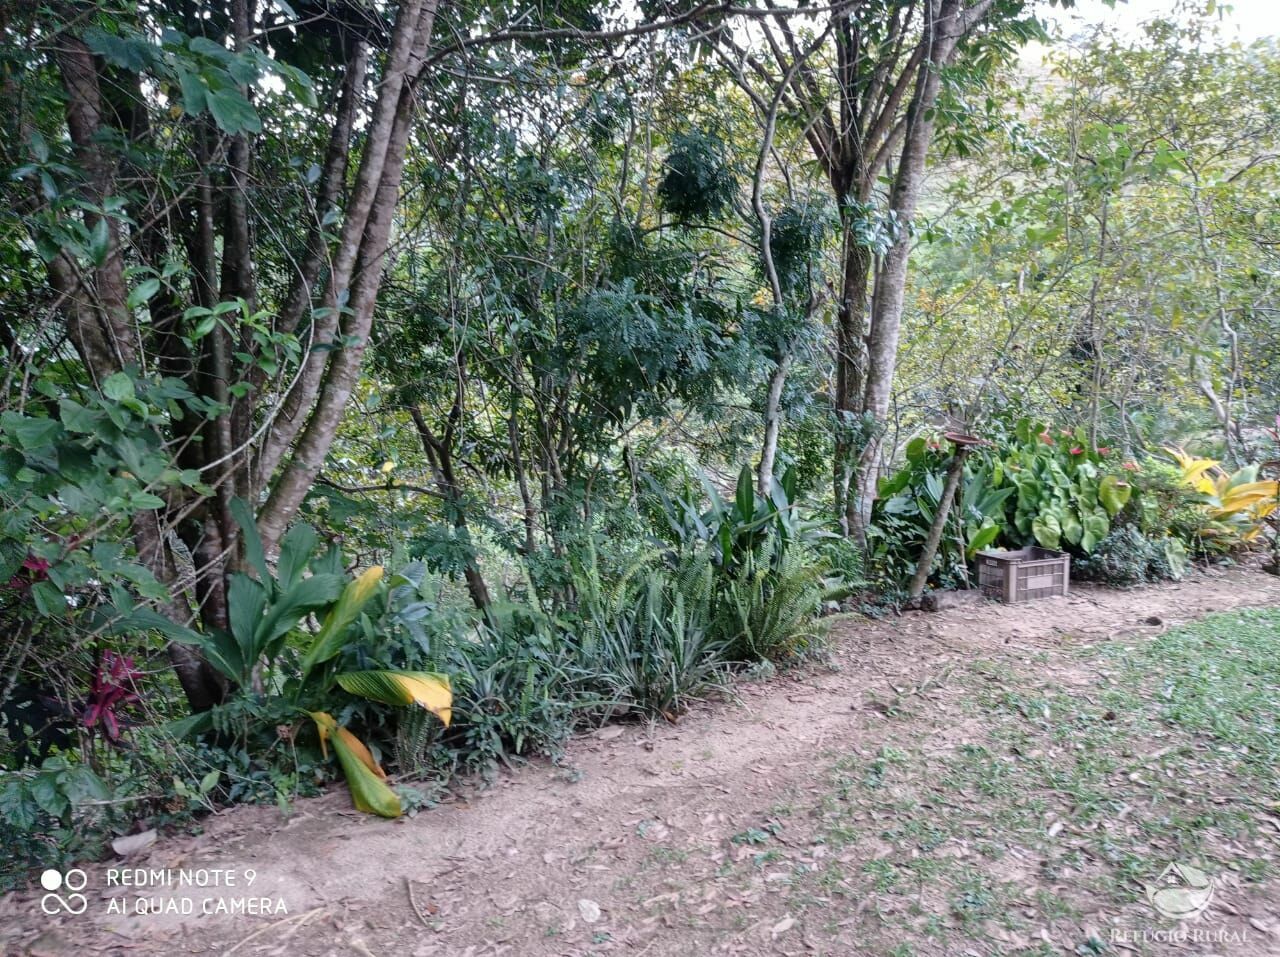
(420, 382)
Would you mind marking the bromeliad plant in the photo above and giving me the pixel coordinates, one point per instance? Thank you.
(268, 652)
(739, 528)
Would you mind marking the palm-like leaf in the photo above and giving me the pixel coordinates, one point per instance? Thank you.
(425, 689)
(328, 640)
(365, 778)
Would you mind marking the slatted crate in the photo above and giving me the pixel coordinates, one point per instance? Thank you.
(1023, 574)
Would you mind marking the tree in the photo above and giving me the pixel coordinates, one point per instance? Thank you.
(869, 102)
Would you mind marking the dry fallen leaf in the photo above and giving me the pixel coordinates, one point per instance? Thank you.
(589, 910)
(132, 844)
(782, 926)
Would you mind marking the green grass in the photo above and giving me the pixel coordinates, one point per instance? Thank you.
(1092, 770)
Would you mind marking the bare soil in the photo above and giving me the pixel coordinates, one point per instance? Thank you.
(713, 835)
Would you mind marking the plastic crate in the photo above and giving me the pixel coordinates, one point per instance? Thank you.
(1024, 574)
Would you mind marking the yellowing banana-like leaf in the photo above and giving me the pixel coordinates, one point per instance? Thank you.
(426, 689)
(1193, 469)
(328, 640)
(365, 778)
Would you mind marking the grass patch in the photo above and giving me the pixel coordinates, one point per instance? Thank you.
(1092, 770)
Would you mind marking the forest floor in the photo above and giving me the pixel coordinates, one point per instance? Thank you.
(986, 780)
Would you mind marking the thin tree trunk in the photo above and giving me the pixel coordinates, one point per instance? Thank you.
(938, 526)
(948, 22)
(361, 253)
(851, 330)
(772, 425)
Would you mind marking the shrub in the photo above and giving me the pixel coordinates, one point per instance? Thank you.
(514, 691)
(649, 645)
(1128, 557)
(768, 612)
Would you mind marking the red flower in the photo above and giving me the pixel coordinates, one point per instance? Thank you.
(1077, 451)
(1103, 450)
(1046, 438)
(1131, 466)
(33, 570)
(112, 688)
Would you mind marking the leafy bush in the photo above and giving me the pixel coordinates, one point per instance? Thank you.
(767, 612)
(280, 671)
(649, 644)
(908, 500)
(766, 575)
(1235, 505)
(699, 183)
(514, 693)
(1127, 557)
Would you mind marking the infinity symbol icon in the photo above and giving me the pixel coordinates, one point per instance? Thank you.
(74, 880)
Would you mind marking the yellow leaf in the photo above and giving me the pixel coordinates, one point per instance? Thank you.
(326, 726)
(365, 778)
(426, 689)
(433, 694)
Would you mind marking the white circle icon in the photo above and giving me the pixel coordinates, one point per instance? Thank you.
(75, 880)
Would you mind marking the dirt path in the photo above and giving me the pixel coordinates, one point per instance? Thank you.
(769, 824)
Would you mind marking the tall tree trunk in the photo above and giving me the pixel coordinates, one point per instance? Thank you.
(946, 23)
(360, 254)
(851, 330)
(772, 425)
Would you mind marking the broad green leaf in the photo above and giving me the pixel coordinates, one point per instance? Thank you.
(1047, 530)
(284, 612)
(1072, 528)
(252, 541)
(246, 602)
(745, 498)
(118, 387)
(31, 432)
(232, 112)
(49, 599)
(1114, 494)
(190, 726)
(296, 549)
(328, 640)
(984, 537)
(143, 291)
(426, 689)
(76, 418)
(1096, 527)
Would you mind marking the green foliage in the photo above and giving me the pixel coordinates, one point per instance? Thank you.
(699, 183)
(765, 610)
(1127, 557)
(648, 643)
(49, 822)
(1058, 475)
(516, 693)
(795, 238)
(74, 472)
